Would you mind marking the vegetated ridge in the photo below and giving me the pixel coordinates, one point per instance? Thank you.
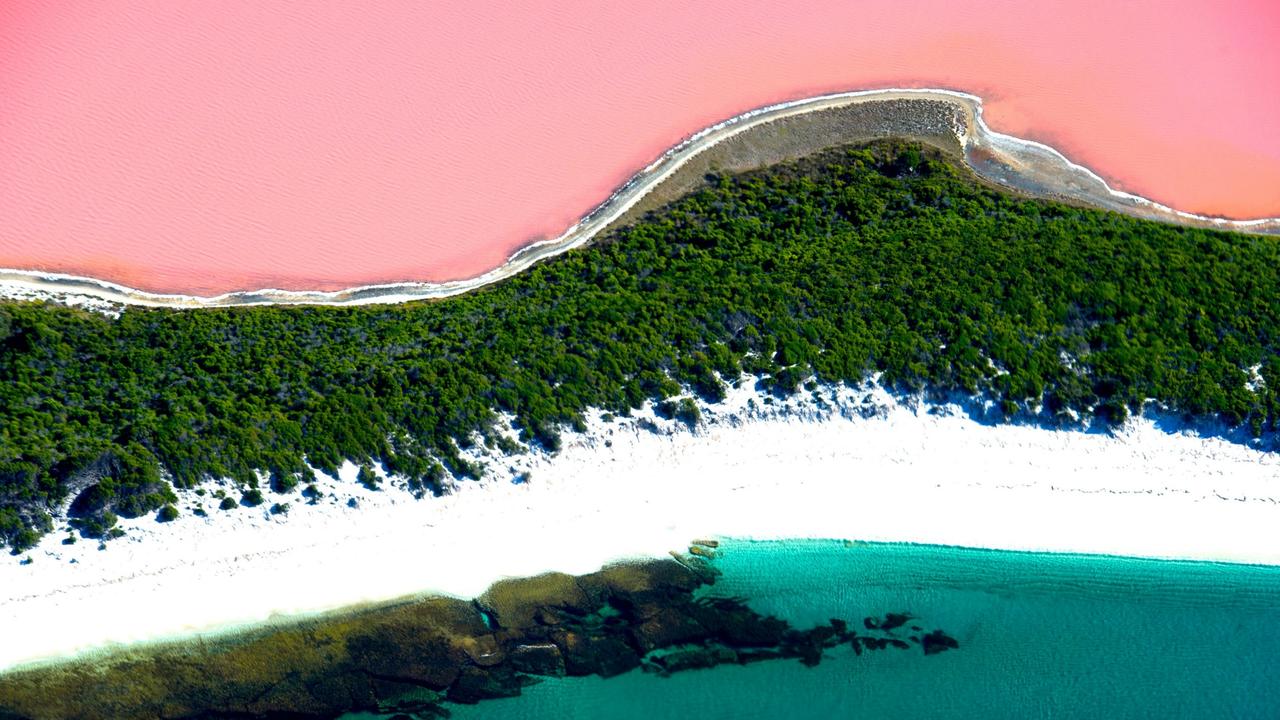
(880, 259)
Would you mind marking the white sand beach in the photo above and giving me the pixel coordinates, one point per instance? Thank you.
(859, 465)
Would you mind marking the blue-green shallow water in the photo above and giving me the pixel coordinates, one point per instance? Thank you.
(1042, 636)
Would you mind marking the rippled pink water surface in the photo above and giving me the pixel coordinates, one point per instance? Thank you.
(211, 146)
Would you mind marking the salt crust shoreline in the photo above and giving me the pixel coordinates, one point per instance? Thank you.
(857, 463)
(1021, 164)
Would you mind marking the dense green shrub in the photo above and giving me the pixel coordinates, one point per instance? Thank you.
(367, 478)
(878, 260)
(99, 525)
(687, 412)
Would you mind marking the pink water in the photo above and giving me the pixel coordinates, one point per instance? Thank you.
(210, 146)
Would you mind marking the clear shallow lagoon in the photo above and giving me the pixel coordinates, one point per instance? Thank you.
(1042, 636)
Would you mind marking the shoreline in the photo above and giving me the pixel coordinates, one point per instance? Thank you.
(858, 464)
(1016, 164)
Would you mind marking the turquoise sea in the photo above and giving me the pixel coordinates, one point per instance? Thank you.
(1041, 636)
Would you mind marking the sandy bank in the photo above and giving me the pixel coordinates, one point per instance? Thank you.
(858, 465)
(763, 136)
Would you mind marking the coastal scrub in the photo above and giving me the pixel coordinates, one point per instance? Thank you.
(885, 260)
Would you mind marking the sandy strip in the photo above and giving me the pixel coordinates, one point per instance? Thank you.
(1028, 166)
(874, 469)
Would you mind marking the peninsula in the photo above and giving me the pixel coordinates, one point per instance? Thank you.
(951, 121)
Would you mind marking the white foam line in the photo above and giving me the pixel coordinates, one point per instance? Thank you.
(25, 284)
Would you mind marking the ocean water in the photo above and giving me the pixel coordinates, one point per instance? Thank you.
(1041, 636)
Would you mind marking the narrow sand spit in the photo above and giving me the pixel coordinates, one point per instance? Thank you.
(1023, 165)
(855, 464)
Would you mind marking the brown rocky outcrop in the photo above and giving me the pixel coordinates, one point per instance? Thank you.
(409, 657)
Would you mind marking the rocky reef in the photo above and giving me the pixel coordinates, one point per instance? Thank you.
(411, 659)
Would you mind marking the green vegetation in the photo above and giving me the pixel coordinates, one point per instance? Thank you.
(877, 260)
(168, 513)
(685, 410)
(227, 504)
(367, 478)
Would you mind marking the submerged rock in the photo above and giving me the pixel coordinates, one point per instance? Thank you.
(590, 654)
(894, 620)
(538, 659)
(692, 658)
(667, 627)
(733, 623)
(410, 657)
(938, 641)
(475, 684)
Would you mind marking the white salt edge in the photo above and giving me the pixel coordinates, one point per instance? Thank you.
(1017, 156)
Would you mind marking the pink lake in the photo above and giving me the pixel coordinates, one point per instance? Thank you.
(203, 147)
